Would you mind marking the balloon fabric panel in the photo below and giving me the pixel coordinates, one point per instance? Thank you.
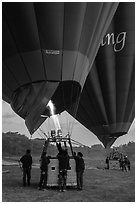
(50, 46)
(111, 80)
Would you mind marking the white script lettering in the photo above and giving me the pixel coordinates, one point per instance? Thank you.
(118, 41)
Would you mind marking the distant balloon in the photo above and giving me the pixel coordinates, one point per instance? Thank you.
(48, 51)
(107, 104)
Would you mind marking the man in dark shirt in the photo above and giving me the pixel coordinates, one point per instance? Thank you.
(80, 167)
(107, 162)
(126, 163)
(63, 158)
(26, 161)
(45, 160)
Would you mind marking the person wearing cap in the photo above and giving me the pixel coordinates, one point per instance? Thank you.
(80, 167)
(45, 160)
(26, 161)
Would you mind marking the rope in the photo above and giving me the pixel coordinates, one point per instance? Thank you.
(67, 121)
(31, 144)
(40, 135)
(46, 136)
(47, 125)
(78, 143)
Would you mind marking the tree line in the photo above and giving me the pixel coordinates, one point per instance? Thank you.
(15, 144)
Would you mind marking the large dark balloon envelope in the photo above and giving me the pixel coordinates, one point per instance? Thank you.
(48, 51)
(107, 104)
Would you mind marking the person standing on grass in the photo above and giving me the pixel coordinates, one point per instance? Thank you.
(45, 160)
(26, 161)
(107, 162)
(63, 158)
(127, 163)
(80, 167)
(121, 163)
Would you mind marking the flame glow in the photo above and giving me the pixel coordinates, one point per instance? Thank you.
(51, 107)
(53, 116)
(56, 122)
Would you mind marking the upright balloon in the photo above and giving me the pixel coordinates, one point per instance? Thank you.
(107, 104)
(48, 50)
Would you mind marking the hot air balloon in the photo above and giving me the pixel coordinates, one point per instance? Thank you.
(107, 103)
(48, 51)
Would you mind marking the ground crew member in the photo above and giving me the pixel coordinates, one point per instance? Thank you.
(26, 161)
(124, 167)
(127, 163)
(121, 162)
(107, 162)
(80, 167)
(45, 160)
(63, 158)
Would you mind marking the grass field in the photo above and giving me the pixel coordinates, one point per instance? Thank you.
(100, 185)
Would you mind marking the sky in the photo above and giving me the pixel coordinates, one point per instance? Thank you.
(14, 123)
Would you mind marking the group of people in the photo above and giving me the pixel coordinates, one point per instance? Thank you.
(64, 166)
(124, 163)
